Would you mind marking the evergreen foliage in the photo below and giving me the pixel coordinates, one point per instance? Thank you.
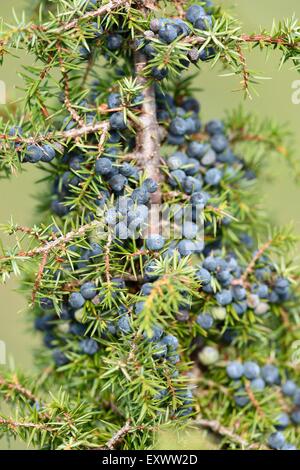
(142, 335)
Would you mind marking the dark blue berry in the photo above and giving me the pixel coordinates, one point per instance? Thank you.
(118, 183)
(203, 23)
(192, 185)
(146, 288)
(219, 143)
(60, 358)
(77, 329)
(213, 177)
(289, 388)
(33, 154)
(251, 370)
(239, 293)
(205, 320)
(207, 54)
(159, 73)
(168, 33)
(76, 300)
(117, 121)
(124, 324)
(44, 323)
(150, 185)
(199, 199)
(114, 42)
(204, 276)
(178, 126)
(195, 12)
(141, 196)
(139, 306)
(95, 250)
(297, 396)
(241, 398)
(276, 440)
(48, 153)
(155, 242)
(182, 27)
(192, 167)
(186, 247)
(258, 384)
(240, 307)
(177, 178)
(59, 208)
(210, 263)
(295, 416)
(235, 370)
(156, 334)
(46, 303)
(224, 297)
(103, 166)
(171, 342)
(160, 350)
(196, 149)
(114, 100)
(214, 127)
(282, 421)
(88, 290)
(89, 346)
(270, 374)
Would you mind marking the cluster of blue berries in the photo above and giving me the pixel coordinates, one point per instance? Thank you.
(259, 378)
(68, 323)
(35, 153)
(204, 162)
(167, 30)
(197, 171)
(112, 40)
(222, 277)
(124, 196)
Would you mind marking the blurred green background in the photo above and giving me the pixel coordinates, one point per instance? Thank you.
(281, 197)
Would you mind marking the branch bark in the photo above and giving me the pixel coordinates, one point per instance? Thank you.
(217, 428)
(102, 126)
(118, 437)
(148, 143)
(147, 151)
(103, 10)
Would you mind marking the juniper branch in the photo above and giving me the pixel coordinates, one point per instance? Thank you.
(221, 430)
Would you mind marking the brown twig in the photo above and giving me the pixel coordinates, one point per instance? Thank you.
(51, 245)
(107, 258)
(102, 140)
(39, 276)
(28, 230)
(246, 74)
(179, 7)
(281, 41)
(251, 39)
(241, 136)
(72, 111)
(255, 258)
(17, 387)
(19, 424)
(254, 400)
(60, 135)
(119, 436)
(218, 428)
(148, 142)
(103, 10)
